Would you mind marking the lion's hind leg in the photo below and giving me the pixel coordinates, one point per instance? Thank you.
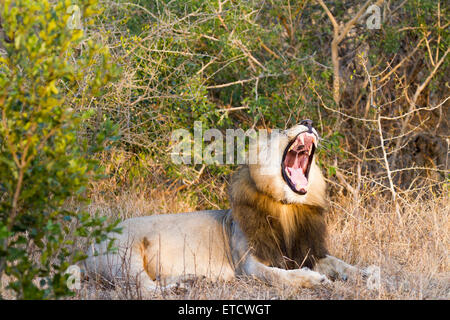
(136, 270)
(143, 268)
(148, 285)
(130, 265)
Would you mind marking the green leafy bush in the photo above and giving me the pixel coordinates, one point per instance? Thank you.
(228, 65)
(47, 68)
(265, 64)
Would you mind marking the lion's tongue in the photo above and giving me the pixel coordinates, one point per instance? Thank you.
(298, 178)
(297, 172)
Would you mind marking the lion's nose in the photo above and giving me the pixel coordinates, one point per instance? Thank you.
(307, 123)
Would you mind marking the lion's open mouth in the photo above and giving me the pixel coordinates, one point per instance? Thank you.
(297, 160)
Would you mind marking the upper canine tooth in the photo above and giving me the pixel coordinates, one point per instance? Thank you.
(302, 140)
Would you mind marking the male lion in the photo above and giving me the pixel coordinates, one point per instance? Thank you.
(274, 230)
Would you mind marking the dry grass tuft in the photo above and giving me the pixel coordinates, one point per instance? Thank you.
(412, 254)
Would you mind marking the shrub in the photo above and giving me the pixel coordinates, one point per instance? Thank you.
(47, 67)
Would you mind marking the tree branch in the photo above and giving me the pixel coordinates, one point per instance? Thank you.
(338, 35)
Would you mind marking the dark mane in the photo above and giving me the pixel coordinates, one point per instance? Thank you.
(281, 235)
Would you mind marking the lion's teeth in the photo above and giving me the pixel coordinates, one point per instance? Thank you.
(288, 173)
(302, 140)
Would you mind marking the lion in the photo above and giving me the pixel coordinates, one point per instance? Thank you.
(274, 231)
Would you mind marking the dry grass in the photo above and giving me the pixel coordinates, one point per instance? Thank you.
(412, 253)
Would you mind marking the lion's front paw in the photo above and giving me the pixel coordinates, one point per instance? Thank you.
(370, 271)
(321, 279)
(372, 275)
(307, 278)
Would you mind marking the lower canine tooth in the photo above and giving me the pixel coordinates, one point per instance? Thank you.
(288, 174)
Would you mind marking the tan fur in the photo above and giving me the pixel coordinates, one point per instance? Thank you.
(143, 245)
(271, 233)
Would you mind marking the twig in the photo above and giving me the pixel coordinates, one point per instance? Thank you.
(224, 85)
(338, 35)
(412, 106)
(383, 149)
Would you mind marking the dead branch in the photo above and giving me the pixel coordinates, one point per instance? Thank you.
(339, 33)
